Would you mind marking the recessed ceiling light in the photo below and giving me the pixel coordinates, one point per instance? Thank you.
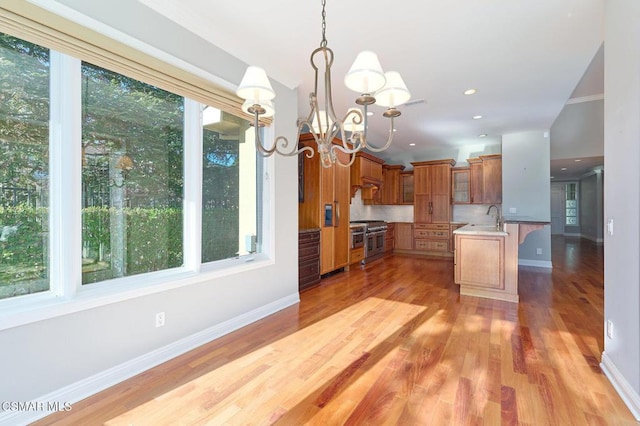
(477, 117)
(577, 160)
(552, 177)
(482, 135)
(470, 92)
(412, 144)
(369, 113)
(563, 169)
(394, 129)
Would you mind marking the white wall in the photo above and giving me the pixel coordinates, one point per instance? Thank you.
(525, 187)
(578, 131)
(43, 357)
(621, 357)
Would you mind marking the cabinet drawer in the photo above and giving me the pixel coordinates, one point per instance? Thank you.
(430, 233)
(438, 226)
(356, 255)
(432, 245)
(308, 238)
(308, 252)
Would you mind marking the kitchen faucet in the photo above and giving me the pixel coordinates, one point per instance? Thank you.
(498, 218)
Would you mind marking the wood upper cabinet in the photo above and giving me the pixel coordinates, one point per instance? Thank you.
(366, 174)
(406, 187)
(460, 192)
(476, 181)
(492, 178)
(432, 186)
(326, 199)
(485, 179)
(390, 191)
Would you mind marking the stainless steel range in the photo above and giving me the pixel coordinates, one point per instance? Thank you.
(374, 238)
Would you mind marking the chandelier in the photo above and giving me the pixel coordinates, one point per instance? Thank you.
(364, 77)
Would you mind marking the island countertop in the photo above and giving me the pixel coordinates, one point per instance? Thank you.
(527, 220)
(473, 229)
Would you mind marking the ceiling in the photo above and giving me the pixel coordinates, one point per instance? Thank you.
(525, 58)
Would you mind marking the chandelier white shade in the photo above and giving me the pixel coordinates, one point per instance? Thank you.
(348, 133)
(394, 92)
(365, 75)
(255, 85)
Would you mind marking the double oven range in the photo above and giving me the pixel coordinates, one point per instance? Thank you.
(370, 234)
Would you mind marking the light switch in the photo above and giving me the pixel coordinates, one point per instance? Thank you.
(513, 210)
(610, 226)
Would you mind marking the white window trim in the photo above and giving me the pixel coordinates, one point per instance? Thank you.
(67, 294)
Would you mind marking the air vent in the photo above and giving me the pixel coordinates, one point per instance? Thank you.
(415, 102)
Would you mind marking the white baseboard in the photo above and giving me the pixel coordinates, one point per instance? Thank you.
(98, 382)
(535, 263)
(622, 386)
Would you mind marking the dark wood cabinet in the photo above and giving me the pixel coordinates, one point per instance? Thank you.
(308, 258)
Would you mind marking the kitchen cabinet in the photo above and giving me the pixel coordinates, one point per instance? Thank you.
(406, 187)
(390, 191)
(357, 254)
(403, 236)
(366, 175)
(479, 261)
(485, 179)
(475, 181)
(433, 237)
(492, 179)
(390, 237)
(308, 258)
(432, 191)
(460, 182)
(325, 204)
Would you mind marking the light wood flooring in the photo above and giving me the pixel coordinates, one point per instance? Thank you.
(394, 343)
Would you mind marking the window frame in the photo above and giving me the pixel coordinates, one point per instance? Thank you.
(577, 207)
(66, 293)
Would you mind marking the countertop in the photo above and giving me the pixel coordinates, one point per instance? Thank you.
(473, 229)
(525, 220)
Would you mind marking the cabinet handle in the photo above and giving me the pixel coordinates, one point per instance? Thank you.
(337, 214)
(430, 207)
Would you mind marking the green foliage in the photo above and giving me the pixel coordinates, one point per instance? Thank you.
(154, 239)
(220, 229)
(26, 243)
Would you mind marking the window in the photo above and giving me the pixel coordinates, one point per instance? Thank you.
(24, 153)
(229, 186)
(571, 204)
(131, 181)
(132, 176)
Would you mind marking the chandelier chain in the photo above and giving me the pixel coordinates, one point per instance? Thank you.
(323, 43)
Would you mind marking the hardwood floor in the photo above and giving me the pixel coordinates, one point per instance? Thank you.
(394, 343)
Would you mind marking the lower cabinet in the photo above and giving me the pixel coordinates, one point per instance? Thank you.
(356, 255)
(403, 238)
(479, 261)
(432, 237)
(389, 239)
(308, 258)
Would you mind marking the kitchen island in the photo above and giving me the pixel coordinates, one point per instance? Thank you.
(486, 257)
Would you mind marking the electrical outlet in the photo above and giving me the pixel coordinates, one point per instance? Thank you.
(610, 329)
(513, 210)
(160, 319)
(538, 251)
